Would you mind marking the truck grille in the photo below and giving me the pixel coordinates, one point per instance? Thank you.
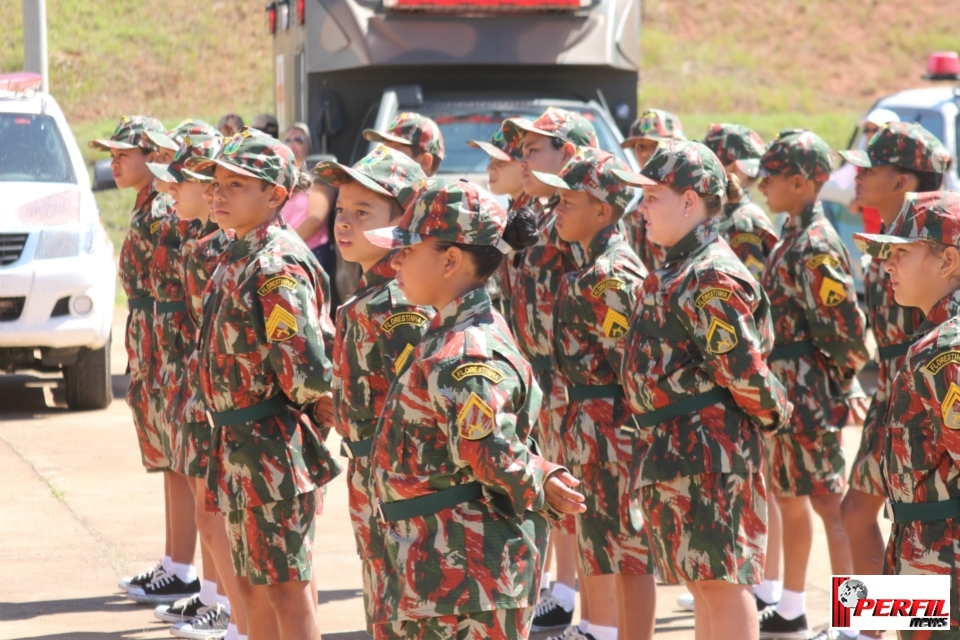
(11, 308)
(11, 246)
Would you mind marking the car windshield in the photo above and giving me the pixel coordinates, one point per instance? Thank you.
(460, 123)
(32, 150)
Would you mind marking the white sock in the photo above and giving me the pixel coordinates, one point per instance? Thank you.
(566, 595)
(167, 563)
(186, 572)
(792, 604)
(545, 580)
(208, 592)
(223, 601)
(243, 637)
(847, 633)
(603, 633)
(769, 590)
(232, 633)
(584, 626)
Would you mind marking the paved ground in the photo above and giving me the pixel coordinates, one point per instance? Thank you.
(77, 511)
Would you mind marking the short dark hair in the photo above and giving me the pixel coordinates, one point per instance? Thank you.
(521, 232)
(926, 180)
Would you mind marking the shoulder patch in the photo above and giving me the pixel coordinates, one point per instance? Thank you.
(275, 283)
(950, 408)
(155, 226)
(476, 419)
(401, 360)
(721, 337)
(749, 238)
(942, 360)
(832, 292)
(823, 258)
(754, 266)
(407, 317)
(714, 293)
(281, 325)
(606, 285)
(615, 324)
(482, 370)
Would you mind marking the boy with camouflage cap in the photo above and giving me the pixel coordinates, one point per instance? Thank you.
(377, 331)
(265, 344)
(818, 351)
(415, 135)
(590, 317)
(920, 474)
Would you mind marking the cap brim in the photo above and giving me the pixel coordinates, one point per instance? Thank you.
(341, 174)
(552, 180)
(198, 164)
(195, 176)
(750, 168)
(106, 145)
(373, 135)
(492, 151)
(392, 237)
(163, 173)
(635, 179)
(161, 140)
(857, 158)
(629, 142)
(529, 128)
(879, 246)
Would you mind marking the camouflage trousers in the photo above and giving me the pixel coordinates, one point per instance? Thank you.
(498, 624)
(927, 548)
(865, 473)
(273, 543)
(191, 449)
(711, 526)
(805, 463)
(611, 536)
(152, 435)
(549, 426)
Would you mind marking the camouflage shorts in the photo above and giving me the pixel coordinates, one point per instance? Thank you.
(499, 624)
(150, 426)
(273, 543)
(711, 526)
(191, 449)
(805, 463)
(865, 474)
(611, 537)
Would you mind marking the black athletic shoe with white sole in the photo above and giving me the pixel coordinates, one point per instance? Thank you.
(550, 614)
(211, 622)
(773, 625)
(179, 611)
(164, 588)
(135, 582)
(763, 605)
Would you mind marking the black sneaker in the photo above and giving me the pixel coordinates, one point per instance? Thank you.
(773, 625)
(762, 605)
(572, 633)
(135, 582)
(550, 614)
(211, 622)
(164, 588)
(179, 611)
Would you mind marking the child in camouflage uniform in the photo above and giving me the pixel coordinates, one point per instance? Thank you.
(921, 445)
(416, 136)
(818, 351)
(695, 370)
(462, 490)
(590, 318)
(900, 158)
(377, 330)
(265, 341)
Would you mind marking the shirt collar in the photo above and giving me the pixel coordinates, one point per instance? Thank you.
(701, 235)
(804, 219)
(942, 311)
(258, 238)
(604, 238)
(472, 304)
(380, 273)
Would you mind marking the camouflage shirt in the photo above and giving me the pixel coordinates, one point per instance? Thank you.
(463, 411)
(749, 232)
(266, 332)
(808, 281)
(590, 319)
(702, 322)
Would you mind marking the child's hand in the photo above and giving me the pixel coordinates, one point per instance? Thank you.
(323, 411)
(561, 497)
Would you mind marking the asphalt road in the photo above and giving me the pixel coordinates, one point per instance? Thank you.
(77, 511)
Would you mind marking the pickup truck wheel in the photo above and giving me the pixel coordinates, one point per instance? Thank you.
(88, 382)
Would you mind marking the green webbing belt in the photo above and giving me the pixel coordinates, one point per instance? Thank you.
(893, 351)
(541, 364)
(356, 448)
(270, 407)
(792, 351)
(145, 302)
(683, 407)
(921, 511)
(612, 391)
(425, 505)
(170, 307)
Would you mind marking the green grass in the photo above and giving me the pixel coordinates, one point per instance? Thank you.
(834, 127)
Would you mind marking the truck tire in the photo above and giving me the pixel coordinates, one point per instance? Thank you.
(88, 382)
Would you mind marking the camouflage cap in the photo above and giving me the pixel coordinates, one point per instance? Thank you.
(383, 170)
(458, 212)
(591, 171)
(129, 134)
(736, 144)
(506, 144)
(902, 144)
(568, 126)
(656, 125)
(193, 146)
(420, 132)
(171, 139)
(798, 151)
(681, 164)
(932, 216)
(254, 154)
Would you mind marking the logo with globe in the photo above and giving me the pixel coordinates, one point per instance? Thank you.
(851, 592)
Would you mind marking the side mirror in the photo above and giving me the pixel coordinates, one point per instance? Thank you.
(103, 176)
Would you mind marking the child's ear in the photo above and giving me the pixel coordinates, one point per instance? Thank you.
(277, 195)
(452, 259)
(569, 150)
(951, 262)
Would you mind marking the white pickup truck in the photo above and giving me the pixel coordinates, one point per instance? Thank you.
(57, 270)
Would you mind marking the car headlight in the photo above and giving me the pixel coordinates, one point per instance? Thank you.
(65, 242)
